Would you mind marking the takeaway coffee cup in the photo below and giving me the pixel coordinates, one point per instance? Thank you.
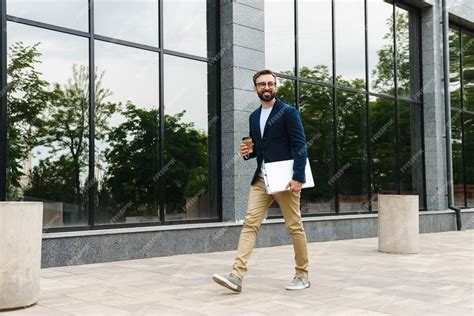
(248, 141)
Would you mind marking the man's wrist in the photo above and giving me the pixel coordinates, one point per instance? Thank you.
(299, 180)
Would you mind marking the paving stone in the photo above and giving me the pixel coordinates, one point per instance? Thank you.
(349, 277)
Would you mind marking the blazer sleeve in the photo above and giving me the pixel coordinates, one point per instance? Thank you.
(297, 142)
(254, 152)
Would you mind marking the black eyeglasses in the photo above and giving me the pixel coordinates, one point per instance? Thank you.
(261, 85)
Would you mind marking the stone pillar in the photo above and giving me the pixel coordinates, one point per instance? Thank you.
(398, 224)
(242, 46)
(433, 107)
(20, 253)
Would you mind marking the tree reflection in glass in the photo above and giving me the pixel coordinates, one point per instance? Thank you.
(187, 124)
(383, 152)
(126, 150)
(469, 156)
(457, 157)
(461, 53)
(316, 114)
(48, 132)
(468, 70)
(410, 149)
(380, 46)
(454, 69)
(47, 137)
(351, 172)
(404, 52)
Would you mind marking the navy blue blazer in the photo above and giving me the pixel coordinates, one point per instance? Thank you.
(283, 139)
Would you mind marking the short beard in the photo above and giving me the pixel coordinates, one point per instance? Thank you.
(266, 98)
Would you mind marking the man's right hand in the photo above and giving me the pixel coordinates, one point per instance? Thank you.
(244, 150)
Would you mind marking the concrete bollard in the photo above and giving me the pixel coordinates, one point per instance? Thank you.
(398, 220)
(20, 253)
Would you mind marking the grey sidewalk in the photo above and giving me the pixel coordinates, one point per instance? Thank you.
(348, 278)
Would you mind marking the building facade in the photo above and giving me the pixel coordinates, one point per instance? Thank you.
(143, 160)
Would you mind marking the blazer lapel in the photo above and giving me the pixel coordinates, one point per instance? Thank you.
(256, 122)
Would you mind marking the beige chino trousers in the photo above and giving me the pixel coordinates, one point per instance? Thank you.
(258, 203)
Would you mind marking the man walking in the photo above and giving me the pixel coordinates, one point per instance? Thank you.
(277, 133)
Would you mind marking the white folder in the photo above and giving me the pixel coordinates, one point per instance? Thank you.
(279, 173)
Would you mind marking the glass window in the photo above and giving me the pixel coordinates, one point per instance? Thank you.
(279, 36)
(469, 156)
(462, 103)
(380, 46)
(130, 20)
(405, 56)
(48, 111)
(468, 71)
(186, 139)
(48, 122)
(73, 14)
(286, 90)
(411, 153)
(126, 125)
(315, 62)
(352, 144)
(457, 156)
(316, 110)
(315, 40)
(454, 69)
(286, 93)
(383, 148)
(350, 43)
(185, 32)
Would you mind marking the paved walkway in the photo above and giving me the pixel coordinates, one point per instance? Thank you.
(348, 278)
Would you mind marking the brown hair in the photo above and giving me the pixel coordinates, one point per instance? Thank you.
(263, 72)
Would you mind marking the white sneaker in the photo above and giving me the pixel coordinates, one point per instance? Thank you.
(298, 283)
(231, 282)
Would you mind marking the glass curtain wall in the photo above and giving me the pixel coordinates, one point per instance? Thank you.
(135, 145)
(461, 62)
(355, 71)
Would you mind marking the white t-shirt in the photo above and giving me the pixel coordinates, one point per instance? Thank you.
(264, 114)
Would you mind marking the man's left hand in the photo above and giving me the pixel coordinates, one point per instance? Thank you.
(294, 186)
